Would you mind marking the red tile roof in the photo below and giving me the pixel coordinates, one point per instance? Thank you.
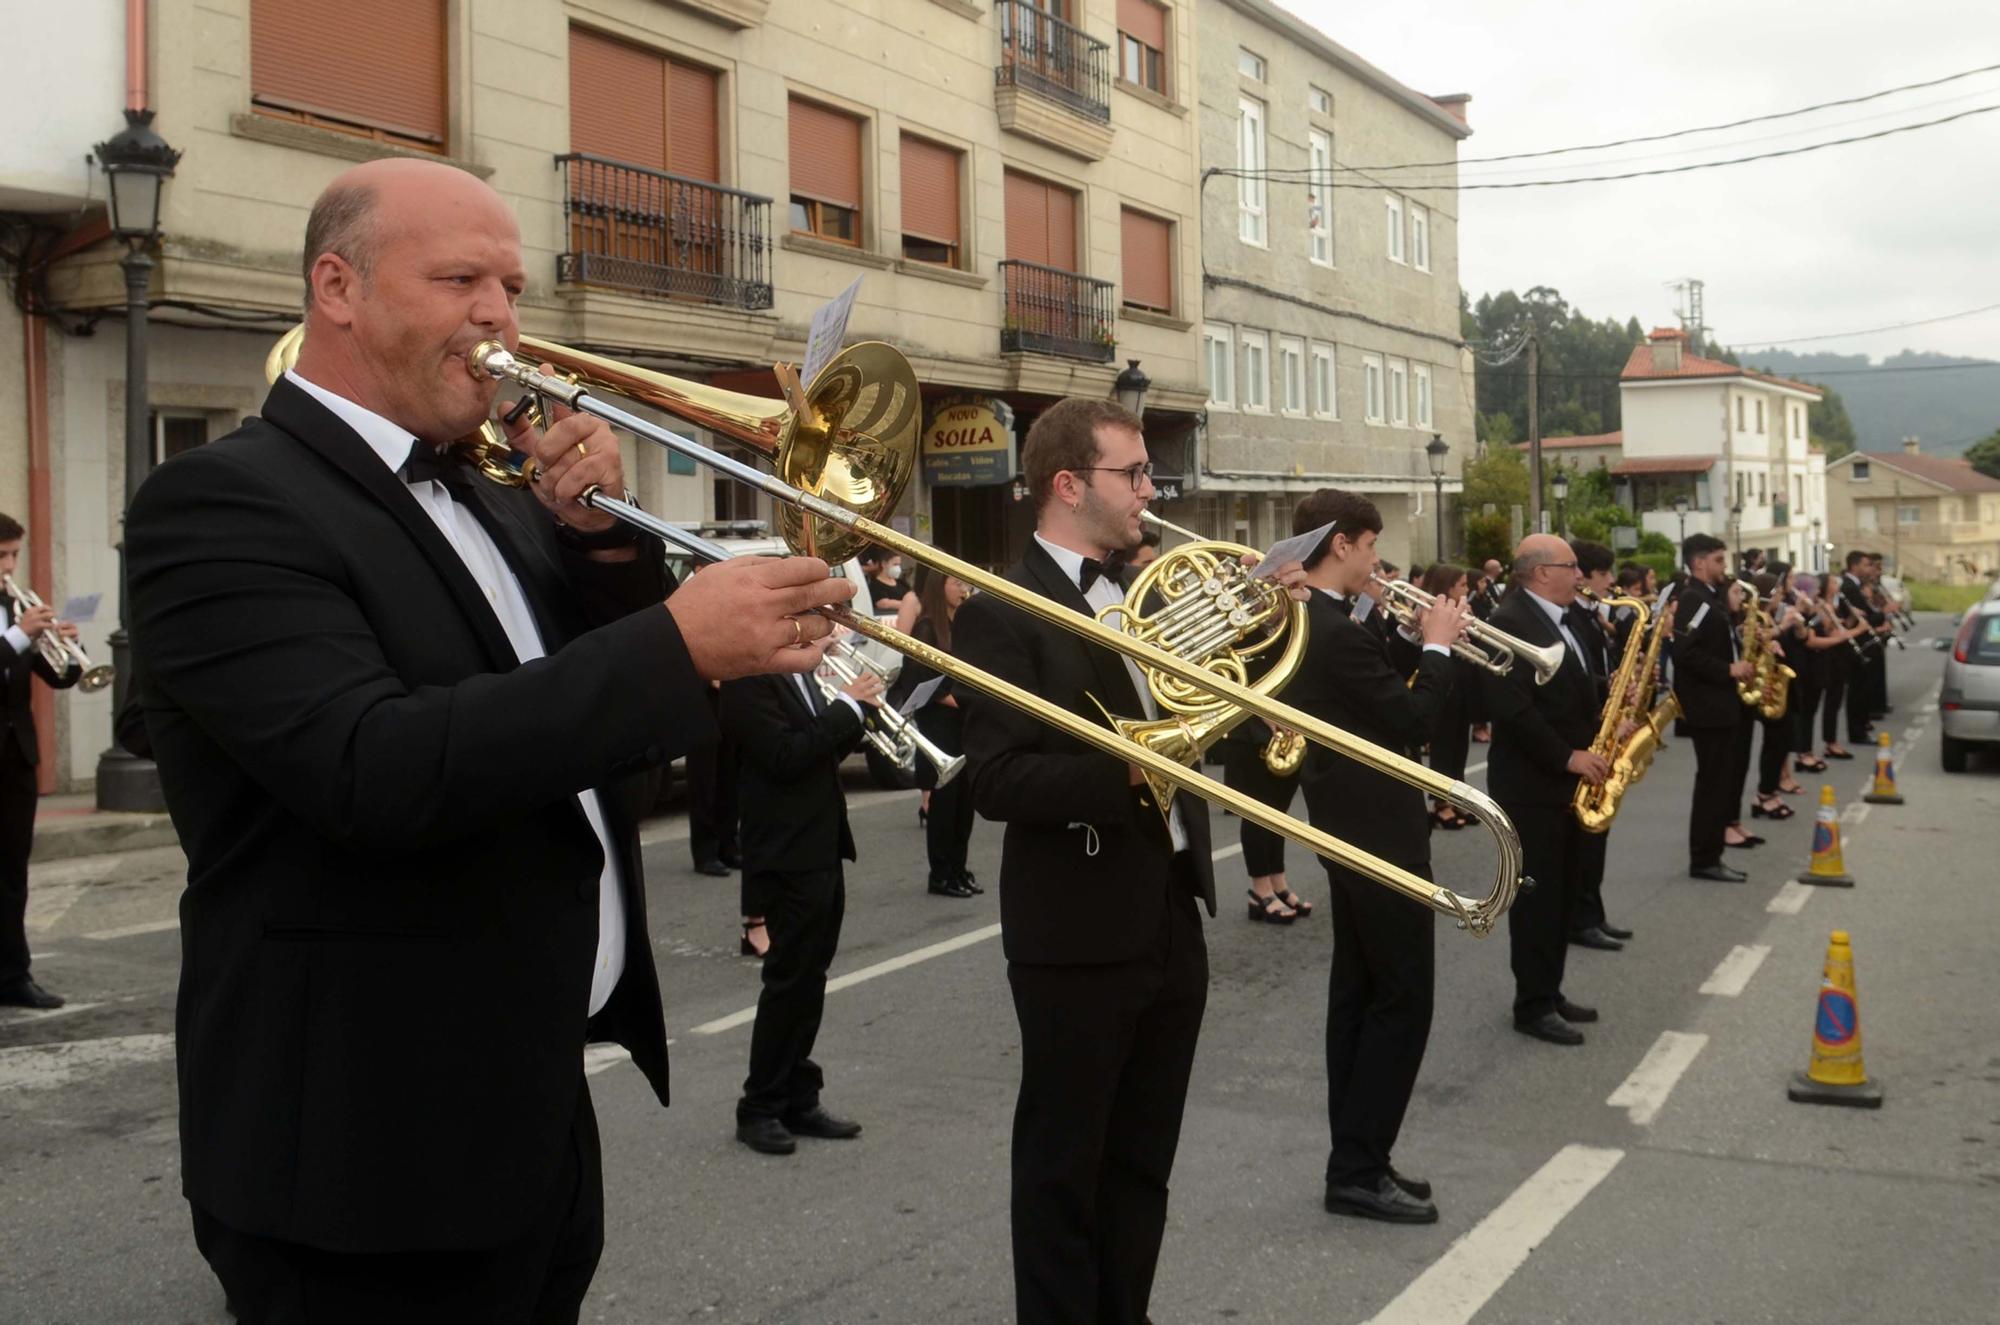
(1573, 443)
(1946, 471)
(1664, 464)
(1640, 366)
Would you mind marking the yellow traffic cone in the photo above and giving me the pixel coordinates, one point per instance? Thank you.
(1827, 869)
(1836, 1075)
(1884, 791)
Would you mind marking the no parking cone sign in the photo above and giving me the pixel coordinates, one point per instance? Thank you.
(1884, 791)
(1827, 869)
(1836, 1074)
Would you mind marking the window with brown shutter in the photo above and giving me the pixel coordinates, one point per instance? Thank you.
(642, 108)
(826, 172)
(1041, 222)
(380, 73)
(930, 202)
(1142, 44)
(1147, 243)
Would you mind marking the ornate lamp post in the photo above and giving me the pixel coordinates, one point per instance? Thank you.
(1559, 485)
(1681, 510)
(1131, 388)
(1435, 451)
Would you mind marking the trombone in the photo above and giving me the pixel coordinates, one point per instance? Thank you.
(889, 731)
(1481, 645)
(59, 652)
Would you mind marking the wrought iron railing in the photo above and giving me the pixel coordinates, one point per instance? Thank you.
(1060, 61)
(1052, 311)
(640, 229)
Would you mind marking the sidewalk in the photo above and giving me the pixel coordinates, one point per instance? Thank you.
(71, 825)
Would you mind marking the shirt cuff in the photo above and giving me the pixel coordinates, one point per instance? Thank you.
(19, 639)
(1438, 648)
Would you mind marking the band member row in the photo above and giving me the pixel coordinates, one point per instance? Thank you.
(1708, 666)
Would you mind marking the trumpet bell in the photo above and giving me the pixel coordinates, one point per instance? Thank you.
(95, 679)
(1547, 661)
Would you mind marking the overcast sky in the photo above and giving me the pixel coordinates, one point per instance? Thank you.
(1850, 237)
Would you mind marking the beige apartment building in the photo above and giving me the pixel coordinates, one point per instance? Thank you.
(1933, 518)
(1014, 182)
(1331, 337)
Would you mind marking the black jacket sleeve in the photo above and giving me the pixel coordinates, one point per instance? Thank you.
(1696, 651)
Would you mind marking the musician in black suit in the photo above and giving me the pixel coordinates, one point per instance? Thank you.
(1708, 663)
(1109, 1013)
(20, 754)
(1379, 996)
(1862, 683)
(795, 834)
(1541, 746)
(401, 715)
(1593, 623)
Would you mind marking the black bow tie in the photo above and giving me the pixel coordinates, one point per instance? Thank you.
(1111, 568)
(428, 464)
(1344, 606)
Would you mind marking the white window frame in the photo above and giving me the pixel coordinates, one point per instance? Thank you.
(1222, 394)
(1867, 518)
(1760, 418)
(1395, 231)
(1255, 377)
(1909, 514)
(1251, 65)
(1319, 195)
(1798, 421)
(1252, 190)
(1741, 425)
(1399, 393)
(1375, 382)
(1420, 382)
(1325, 388)
(1292, 376)
(1319, 100)
(1420, 236)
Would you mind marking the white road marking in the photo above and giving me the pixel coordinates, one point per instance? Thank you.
(1479, 767)
(892, 965)
(597, 1057)
(1911, 733)
(130, 931)
(1734, 971)
(677, 829)
(46, 1066)
(1791, 899)
(1224, 853)
(1855, 811)
(49, 903)
(27, 1015)
(1644, 1093)
(1475, 1267)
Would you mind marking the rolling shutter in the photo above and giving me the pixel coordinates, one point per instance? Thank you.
(1144, 20)
(382, 67)
(617, 101)
(1041, 222)
(1148, 260)
(826, 154)
(930, 191)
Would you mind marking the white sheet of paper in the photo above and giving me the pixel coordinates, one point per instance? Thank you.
(81, 609)
(829, 328)
(1287, 550)
(920, 696)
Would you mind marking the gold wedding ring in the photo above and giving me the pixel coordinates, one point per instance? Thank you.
(581, 450)
(798, 633)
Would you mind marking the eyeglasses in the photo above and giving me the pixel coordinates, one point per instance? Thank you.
(1134, 474)
(1560, 565)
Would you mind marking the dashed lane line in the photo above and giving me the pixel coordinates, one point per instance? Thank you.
(1732, 974)
(133, 931)
(1643, 1094)
(1790, 899)
(47, 1066)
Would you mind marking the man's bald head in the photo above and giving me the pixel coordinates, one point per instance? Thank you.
(1545, 564)
(349, 217)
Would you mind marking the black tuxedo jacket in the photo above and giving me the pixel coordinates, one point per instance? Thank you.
(17, 673)
(1702, 655)
(1856, 599)
(1079, 840)
(1537, 727)
(391, 921)
(794, 814)
(1355, 680)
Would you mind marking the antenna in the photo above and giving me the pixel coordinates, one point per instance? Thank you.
(1687, 306)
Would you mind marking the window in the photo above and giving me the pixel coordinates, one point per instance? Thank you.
(1395, 228)
(1325, 404)
(930, 202)
(1041, 222)
(1142, 44)
(1798, 492)
(1739, 414)
(1420, 237)
(1292, 374)
(1423, 387)
(1760, 416)
(1221, 358)
(384, 79)
(1319, 195)
(642, 108)
(826, 173)
(1148, 258)
(1908, 514)
(1860, 471)
(1319, 100)
(1250, 186)
(1250, 64)
(1371, 372)
(1256, 372)
(1399, 392)
(1865, 516)
(175, 432)
(1798, 421)
(1760, 489)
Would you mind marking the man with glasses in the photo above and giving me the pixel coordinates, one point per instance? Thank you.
(1541, 746)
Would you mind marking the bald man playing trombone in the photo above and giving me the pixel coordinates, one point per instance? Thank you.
(402, 715)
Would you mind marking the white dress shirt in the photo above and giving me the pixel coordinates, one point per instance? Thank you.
(1558, 616)
(15, 636)
(1102, 593)
(391, 442)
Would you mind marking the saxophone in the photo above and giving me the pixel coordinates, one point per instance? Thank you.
(1595, 807)
(1769, 688)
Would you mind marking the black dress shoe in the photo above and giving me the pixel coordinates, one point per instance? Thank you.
(817, 1122)
(1620, 934)
(1718, 873)
(1596, 938)
(1384, 1200)
(25, 993)
(731, 858)
(943, 885)
(1551, 1027)
(712, 867)
(970, 882)
(766, 1136)
(1416, 1187)
(1575, 1012)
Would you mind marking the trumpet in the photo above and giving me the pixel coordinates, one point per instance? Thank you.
(58, 652)
(890, 732)
(1481, 645)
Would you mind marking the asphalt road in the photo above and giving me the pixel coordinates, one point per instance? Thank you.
(1656, 1174)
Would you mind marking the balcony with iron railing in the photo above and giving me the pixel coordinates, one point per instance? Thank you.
(634, 228)
(1054, 59)
(1052, 311)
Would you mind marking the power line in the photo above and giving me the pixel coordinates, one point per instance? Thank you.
(1774, 341)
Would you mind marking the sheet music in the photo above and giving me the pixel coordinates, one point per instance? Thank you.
(1287, 550)
(80, 609)
(921, 696)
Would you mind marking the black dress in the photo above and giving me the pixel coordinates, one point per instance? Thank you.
(948, 829)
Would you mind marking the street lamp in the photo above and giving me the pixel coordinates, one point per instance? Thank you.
(1131, 388)
(1736, 532)
(137, 165)
(1818, 565)
(1435, 451)
(1560, 486)
(1681, 510)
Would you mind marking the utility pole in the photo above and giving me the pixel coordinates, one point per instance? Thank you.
(1535, 433)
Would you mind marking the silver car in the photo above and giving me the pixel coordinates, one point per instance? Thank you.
(1970, 701)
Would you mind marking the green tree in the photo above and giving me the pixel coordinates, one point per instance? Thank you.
(1486, 539)
(1828, 424)
(1496, 429)
(1500, 478)
(1984, 455)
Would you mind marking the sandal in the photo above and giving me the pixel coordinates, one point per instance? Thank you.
(1759, 810)
(1808, 765)
(1793, 790)
(1269, 910)
(1447, 818)
(1301, 908)
(1832, 753)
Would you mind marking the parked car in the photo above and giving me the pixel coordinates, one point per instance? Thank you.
(1970, 701)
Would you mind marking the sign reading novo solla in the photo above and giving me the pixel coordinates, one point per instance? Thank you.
(969, 443)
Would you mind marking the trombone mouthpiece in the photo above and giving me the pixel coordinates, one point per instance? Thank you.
(490, 360)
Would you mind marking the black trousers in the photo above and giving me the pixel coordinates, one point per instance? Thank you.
(802, 914)
(1805, 704)
(1378, 1020)
(538, 1279)
(712, 818)
(1860, 698)
(18, 798)
(1105, 1057)
(1538, 922)
(1878, 668)
(1771, 755)
(1838, 667)
(1586, 899)
(1243, 770)
(1721, 760)
(1451, 739)
(948, 829)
